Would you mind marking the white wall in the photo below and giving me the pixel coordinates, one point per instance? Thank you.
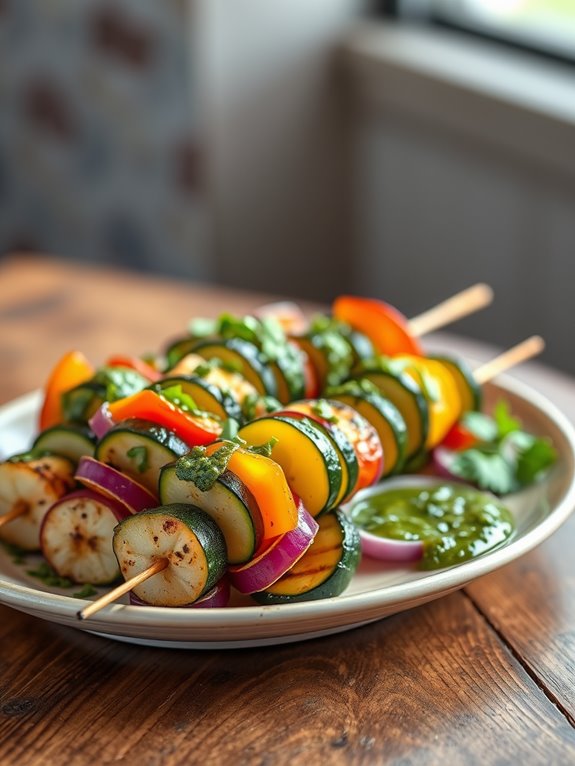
(454, 186)
(278, 144)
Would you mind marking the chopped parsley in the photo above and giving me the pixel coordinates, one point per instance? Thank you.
(17, 554)
(48, 576)
(86, 591)
(324, 410)
(175, 395)
(254, 405)
(139, 455)
(119, 382)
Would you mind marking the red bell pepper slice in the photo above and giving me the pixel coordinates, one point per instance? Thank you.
(459, 438)
(194, 429)
(70, 370)
(384, 325)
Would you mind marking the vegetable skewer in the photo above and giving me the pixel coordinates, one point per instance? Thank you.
(19, 509)
(519, 353)
(319, 439)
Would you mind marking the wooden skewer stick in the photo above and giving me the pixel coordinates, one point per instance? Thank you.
(125, 587)
(19, 509)
(510, 358)
(458, 306)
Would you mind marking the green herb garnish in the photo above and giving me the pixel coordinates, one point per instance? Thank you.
(49, 577)
(175, 395)
(506, 457)
(204, 470)
(139, 455)
(254, 404)
(202, 327)
(27, 457)
(230, 430)
(119, 382)
(324, 410)
(264, 449)
(17, 554)
(86, 591)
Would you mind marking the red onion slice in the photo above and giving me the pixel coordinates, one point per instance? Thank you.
(101, 421)
(386, 549)
(111, 483)
(217, 597)
(442, 460)
(267, 567)
(119, 510)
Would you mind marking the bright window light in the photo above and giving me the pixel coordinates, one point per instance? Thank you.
(545, 24)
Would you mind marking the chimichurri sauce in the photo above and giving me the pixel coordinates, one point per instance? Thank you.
(455, 523)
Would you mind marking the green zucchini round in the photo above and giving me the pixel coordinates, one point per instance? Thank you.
(325, 570)
(229, 503)
(207, 396)
(406, 395)
(383, 415)
(72, 440)
(189, 540)
(305, 453)
(243, 357)
(178, 349)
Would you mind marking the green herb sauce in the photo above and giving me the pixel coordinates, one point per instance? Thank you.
(455, 523)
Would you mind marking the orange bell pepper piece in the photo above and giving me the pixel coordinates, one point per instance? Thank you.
(70, 370)
(445, 406)
(267, 482)
(384, 325)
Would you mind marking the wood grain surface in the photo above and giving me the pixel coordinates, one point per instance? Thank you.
(484, 676)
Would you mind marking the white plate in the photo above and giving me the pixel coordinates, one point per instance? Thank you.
(376, 591)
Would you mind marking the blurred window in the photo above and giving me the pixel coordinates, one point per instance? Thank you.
(547, 26)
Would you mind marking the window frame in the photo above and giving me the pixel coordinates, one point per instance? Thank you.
(424, 12)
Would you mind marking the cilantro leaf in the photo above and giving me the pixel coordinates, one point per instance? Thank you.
(480, 425)
(507, 458)
(488, 471)
(506, 424)
(534, 460)
(120, 382)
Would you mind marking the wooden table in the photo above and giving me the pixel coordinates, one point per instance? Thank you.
(484, 676)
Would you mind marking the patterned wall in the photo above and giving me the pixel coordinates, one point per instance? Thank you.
(99, 132)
